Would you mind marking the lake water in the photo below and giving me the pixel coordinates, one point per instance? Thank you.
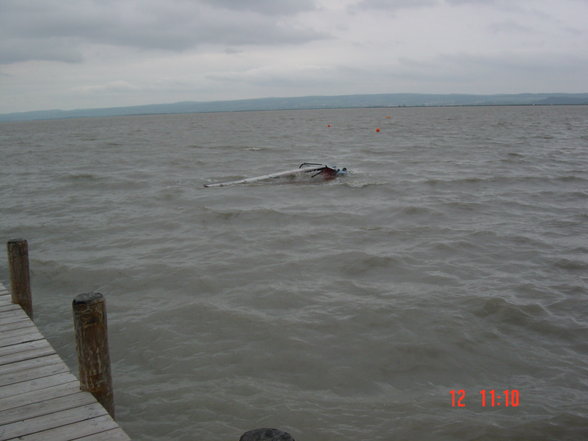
(453, 257)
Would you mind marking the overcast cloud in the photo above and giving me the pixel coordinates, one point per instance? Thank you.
(102, 53)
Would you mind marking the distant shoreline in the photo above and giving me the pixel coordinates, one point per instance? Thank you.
(383, 101)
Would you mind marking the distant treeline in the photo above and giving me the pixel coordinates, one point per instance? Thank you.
(313, 102)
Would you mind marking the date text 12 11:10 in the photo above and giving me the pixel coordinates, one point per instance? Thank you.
(490, 398)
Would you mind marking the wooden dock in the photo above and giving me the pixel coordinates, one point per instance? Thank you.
(40, 399)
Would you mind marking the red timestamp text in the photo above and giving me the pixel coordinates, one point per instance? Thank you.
(488, 398)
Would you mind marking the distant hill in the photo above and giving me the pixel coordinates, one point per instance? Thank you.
(313, 102)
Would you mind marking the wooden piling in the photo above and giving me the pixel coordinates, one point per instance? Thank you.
(92, 348)
(20, 281)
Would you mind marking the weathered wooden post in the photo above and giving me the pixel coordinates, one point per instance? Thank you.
(20, 280)
(92, 347)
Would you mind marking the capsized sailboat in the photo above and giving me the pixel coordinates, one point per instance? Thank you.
(311, 169)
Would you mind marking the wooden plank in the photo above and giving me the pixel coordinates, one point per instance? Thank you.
(27, 355)
(37, 396)
(7, 318)
(14, 338)
(46, 407)
(36, 384)
(6, 302)
(9, 313)
(50, 421)
(22, 366)
(25, 351)
(12, 311)
(111, 435)
(31, 374)
(15, 324)
(86, 430)
(6, 350)
(10, 307)
(30, 329)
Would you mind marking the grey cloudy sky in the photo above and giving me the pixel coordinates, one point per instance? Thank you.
(70, 54)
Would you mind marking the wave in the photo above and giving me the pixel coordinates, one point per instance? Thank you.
(529, 317)
(504, 180)
(81, 177)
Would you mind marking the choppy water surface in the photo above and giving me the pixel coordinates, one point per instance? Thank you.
(453, 257)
